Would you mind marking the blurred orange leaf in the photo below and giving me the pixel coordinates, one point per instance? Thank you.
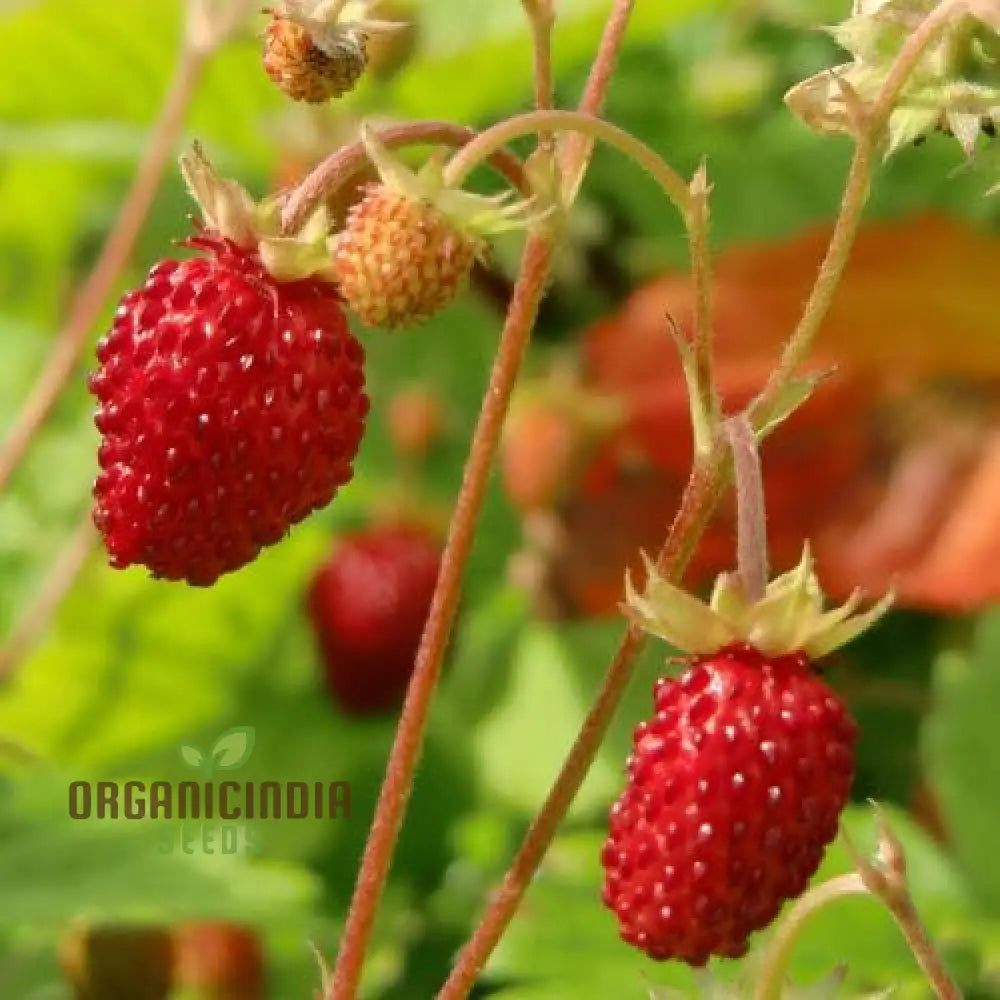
(892, 469)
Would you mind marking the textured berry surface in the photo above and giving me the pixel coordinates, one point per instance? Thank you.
(368, 604)
(230, 407)
(399, 261)
(735, 787)
(303, 70)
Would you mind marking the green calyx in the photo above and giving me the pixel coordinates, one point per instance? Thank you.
(228, 209)
(474, 216)
(789, 618)
(955, 86)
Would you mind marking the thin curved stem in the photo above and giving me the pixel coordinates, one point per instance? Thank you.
(700, 499)
(527, 295)
(343, 164)
(885, 878)
(697, 221)
(56, 585)
(912, 928)
(831, 271)
(89, 302)
(531, 122)
(522, 312)
(771, 978)
(751, 516)
(541, 16)
(577, 147)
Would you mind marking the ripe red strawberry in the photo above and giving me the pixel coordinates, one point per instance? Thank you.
(231, 406)
(368, 604)
(736, 784)
(735, 787)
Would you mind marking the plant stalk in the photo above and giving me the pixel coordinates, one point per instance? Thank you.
(699, 500)
(751, 517)
(89, 301)
(496, 137)
(855, 196)
(527, 295)
(60, 579)
(343, 164)
(771, 979)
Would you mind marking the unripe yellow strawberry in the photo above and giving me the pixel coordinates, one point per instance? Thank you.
(408, 245)
(399, 261)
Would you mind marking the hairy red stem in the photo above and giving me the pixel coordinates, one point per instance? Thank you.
(391, 806)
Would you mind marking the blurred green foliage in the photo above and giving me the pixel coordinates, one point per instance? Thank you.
(134, 668)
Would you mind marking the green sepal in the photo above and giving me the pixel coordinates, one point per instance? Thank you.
(790, 617)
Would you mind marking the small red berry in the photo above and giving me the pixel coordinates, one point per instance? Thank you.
(215, 960)
(368, 604)
(231, 405)
(735, 788)
(398, 260)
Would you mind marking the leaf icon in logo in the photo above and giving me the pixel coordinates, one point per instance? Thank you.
(192, 756)
(234, 747)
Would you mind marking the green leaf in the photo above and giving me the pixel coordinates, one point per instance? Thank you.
(885, 676)
(522, 743)
(234, 747)
(563, 942)
(963, 758)
(793, 394)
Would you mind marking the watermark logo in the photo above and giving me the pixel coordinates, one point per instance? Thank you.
(215, 814)
(229, 753)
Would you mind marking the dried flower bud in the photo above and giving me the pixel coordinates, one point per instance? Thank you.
(315, 50)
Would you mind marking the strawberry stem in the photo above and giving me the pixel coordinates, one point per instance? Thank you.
(59, 579)
(522, 312)
(341, 166)
(706, 399)
(885, 878)
(88, 303)
(751, 516)
(391, 806)
(771, 980)
(541, 16)
(531, 122)
(577, 147)
(701, 496)
(868, 139)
